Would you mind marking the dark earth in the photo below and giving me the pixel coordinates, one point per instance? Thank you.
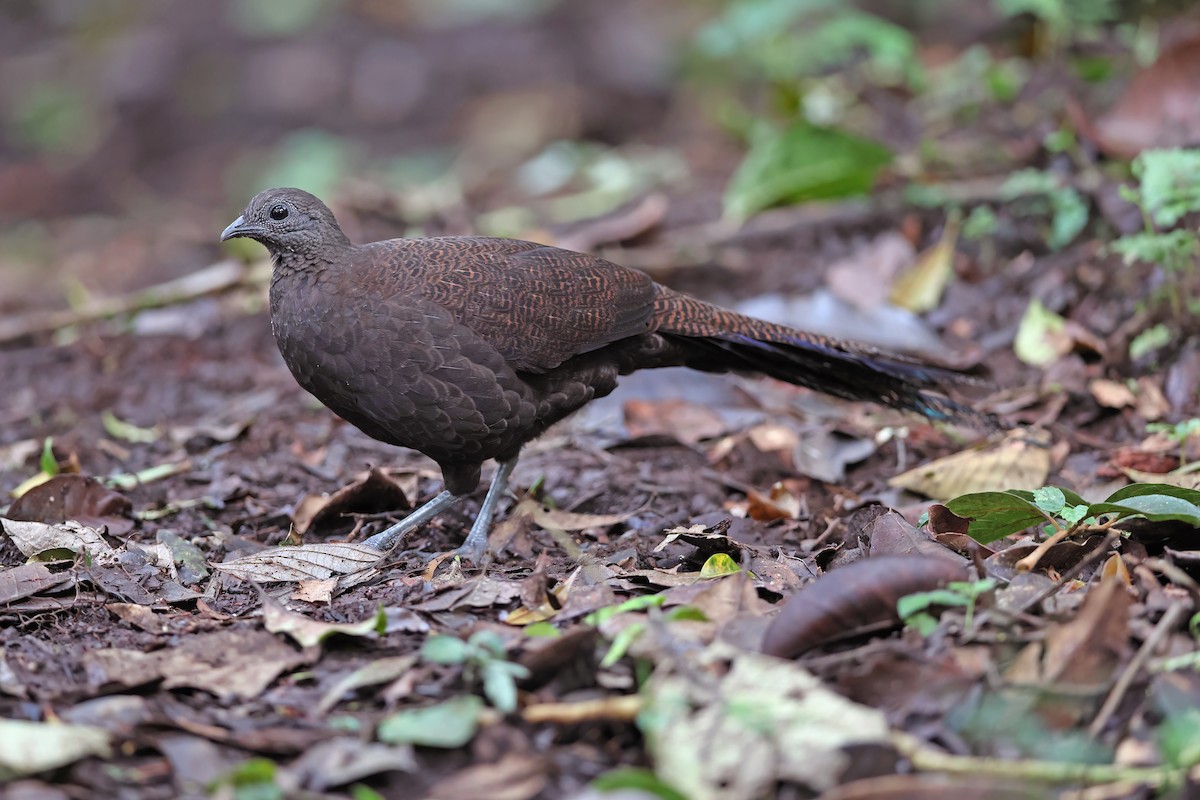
(151, 126)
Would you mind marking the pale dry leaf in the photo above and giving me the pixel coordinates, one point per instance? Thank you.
(774, 721)
(35, 538)
(1020, 460)
(553, 518)
(302, 563)
(27, 748)
(309, 632)
(1184, 480)
(316, 591)
(1112, 394)
(920, 287)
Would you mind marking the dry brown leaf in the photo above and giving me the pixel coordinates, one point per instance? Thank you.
(232, 664)
(373, 493)
(74, 497)
(516, 776)
(30, 579)
(1158, 107)
(568, 520)
(1019, 461)
(682, 420)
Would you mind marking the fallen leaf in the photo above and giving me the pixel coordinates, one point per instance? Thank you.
(448, 724)
(516, 776)
(309, 632)
(74, 497)
(27, 748)
(35, 538)
(315, 591)
(1020, 460)
(30, 579)
(1158, 107)
(920, 287)
(773, 720)
(302, 563)
(374, 493)
(684, 421)
(232, 664)
(346, 759)
(381, 670)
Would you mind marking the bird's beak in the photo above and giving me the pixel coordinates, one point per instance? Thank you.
(239, 227)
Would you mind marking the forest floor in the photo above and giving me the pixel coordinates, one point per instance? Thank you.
(163, 645)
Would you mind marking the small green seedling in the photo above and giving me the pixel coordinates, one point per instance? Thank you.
(914, 608)
(1179, 432)
(483, 660)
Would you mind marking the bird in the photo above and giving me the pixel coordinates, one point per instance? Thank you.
(466, 348)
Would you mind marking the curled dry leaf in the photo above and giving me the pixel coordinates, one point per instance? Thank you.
(309, 632)
(855, 598)
(74, 497)
(303, 563)
(375, 493)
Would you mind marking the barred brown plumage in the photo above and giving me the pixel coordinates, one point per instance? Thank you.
(465, 348)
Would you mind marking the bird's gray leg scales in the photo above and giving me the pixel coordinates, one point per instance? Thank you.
(387, 539)
(476, 544)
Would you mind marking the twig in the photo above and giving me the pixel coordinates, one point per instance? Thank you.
(1165, 625)
(928, 759)
(624, 708)
(220, 277)
(1073, 572)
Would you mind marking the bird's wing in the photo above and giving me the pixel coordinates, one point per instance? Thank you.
(537, 305)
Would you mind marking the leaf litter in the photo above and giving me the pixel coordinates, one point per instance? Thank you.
(175, 599)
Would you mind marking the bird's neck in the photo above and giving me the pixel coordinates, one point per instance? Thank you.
(288, 263)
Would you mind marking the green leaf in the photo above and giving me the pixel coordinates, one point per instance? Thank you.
(802, 163)
(49, 463)
(544, 629)
(719, 565)
(642, 781)
(1179, 738)
(910, 604)
(443, 649)
(360, 791)
(449, 724)
(1154, 507)
(686, 613)
(1169, 183)
(500, 684)
(1138, 489)
(1049, 499)
(621, 644)
(1041, 336)
(994, 515)
(127, 431)
(639, 603)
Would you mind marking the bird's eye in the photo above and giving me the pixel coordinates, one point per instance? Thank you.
(279, 211)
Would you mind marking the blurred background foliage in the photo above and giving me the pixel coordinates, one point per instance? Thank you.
(131, 130)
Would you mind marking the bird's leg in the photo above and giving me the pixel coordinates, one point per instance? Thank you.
(385, 540)
(476, 543)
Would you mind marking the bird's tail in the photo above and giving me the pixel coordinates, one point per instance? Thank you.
(713, 338)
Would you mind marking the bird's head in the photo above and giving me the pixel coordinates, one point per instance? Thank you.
(287, 221)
